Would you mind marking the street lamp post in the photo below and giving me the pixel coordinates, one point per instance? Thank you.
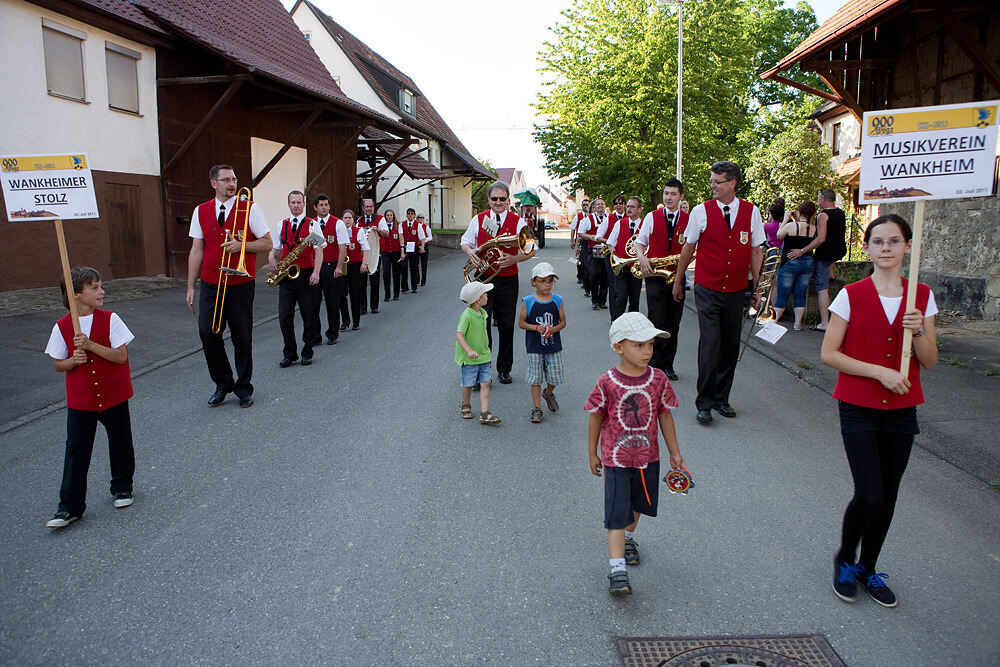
(680, 74)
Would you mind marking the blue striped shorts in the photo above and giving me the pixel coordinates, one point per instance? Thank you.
(544, 368)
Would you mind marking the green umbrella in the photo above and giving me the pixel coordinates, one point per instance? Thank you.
(528, 198)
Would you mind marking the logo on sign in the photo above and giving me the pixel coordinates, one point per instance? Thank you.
(881, 125)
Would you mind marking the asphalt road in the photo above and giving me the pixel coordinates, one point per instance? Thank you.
(352, 518)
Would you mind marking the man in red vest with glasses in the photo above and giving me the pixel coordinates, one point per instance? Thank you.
(501, 304)
(728, 233)
(212, 233)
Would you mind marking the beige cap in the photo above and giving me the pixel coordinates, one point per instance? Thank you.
(543, 270)
(635, 326)
(472, 291)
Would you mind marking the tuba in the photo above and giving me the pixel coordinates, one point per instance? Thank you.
(243, 203)
(489, 255)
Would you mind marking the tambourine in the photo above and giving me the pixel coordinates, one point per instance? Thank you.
(678, 480)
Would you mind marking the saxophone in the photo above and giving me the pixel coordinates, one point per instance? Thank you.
(286, 267)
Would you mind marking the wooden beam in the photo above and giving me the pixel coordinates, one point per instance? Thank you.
(392, 187)
(845, 97)
(337, 153)
(974, 51)
(284, 149)
(809, 89)
(283, 108)
(192, 80)
(411, 189)
(371, 142)
(835, 65)
(381, 170)
(227, 95)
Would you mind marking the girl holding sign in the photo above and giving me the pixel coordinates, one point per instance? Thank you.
(878, 416)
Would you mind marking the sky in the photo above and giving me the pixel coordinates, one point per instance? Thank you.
(475, 62)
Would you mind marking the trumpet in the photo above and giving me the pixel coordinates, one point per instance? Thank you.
(489, 255)
(243, 202)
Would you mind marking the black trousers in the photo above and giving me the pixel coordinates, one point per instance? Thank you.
(81, 429)
(720, 316)
(237, 314)
(586, 260)
(391, 268)
(598, 280)
(423, 265)
(413, 268)
(664, 313)
(352, 293)
(292, 292)
(878, 459)
(373, 287)
(626, 290)
(501, 306)
(329, 291)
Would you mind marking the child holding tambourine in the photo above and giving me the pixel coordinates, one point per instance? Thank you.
(878, 416)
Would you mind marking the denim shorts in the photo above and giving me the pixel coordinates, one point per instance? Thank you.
(475, 373)
(821, 275)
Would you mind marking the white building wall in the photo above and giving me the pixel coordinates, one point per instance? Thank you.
(271, 194)
(35, 122)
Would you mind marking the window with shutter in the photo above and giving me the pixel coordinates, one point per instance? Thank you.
(63, 60)
(123, 77)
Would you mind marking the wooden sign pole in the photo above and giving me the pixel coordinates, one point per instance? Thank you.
(64, 256)
(911, 289)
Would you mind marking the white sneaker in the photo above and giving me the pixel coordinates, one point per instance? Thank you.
(61, 520)
(123, 500)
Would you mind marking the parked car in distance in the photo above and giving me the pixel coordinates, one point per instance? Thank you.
(551, 224)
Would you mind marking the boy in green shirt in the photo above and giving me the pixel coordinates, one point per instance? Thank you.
(472, 352)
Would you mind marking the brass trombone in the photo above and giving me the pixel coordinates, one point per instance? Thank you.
(243, 202)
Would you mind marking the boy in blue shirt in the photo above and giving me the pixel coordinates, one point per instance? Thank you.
(542, 318)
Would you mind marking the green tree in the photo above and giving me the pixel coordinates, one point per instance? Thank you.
(480, 197)
(794, 165)
(609, 102)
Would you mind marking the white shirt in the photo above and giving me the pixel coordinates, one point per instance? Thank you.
(313, 229)
(258, 225)
(698, 220)
(890, 304)
(424, 235)
(340, 229)
(471, 236)
(119, 335)
(613, 239)
(576, 221)
(647, 226)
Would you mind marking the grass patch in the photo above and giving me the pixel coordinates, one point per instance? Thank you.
(992, 370)
(805, 365)
(955, 361)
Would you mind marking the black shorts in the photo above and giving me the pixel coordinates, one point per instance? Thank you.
(628, 490)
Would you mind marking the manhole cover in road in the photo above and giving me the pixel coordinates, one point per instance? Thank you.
(757, 651)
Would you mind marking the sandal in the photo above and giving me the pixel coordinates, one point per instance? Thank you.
(536, 416)
(815, 327)
(466, 411)
(550, 401)
(488, 418)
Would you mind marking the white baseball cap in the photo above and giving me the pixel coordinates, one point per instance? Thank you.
(635, 326)
(543, 270)
(472, 291)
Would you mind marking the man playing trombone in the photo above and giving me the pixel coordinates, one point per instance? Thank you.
(218, 240)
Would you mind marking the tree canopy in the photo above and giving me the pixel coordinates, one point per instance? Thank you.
(794, 165)
(609, 102)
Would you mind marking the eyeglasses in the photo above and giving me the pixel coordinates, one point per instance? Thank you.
(226, 180)
(878, 244)
(498, 199)
(714, 181)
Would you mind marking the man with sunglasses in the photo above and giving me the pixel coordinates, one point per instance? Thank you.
(501, 303)
(728, 233)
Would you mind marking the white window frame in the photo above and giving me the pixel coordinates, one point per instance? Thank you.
(404, 95)
(135, 56)
(81, 37)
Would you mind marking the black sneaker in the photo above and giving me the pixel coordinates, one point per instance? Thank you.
(123, 499)
(874, 583)
(61, 520)
(618, 583)
(844, 584)
(536, 416)
(631, 552)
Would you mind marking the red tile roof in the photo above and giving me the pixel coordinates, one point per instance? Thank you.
(126, 11)
(415, 166)
(379, 72)
(849, 18)
(506, 174)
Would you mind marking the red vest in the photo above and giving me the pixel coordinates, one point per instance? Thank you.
(331, 253)
(509, 228)
(215, 236)
(659, 244)
(624, 234)
(289, 240)
(99, 384)
(411, 233)
(354, 251)
(871, 338)
(359, 221)
(592, 224)
(723, 253)
(427, 230)
(392, 242)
